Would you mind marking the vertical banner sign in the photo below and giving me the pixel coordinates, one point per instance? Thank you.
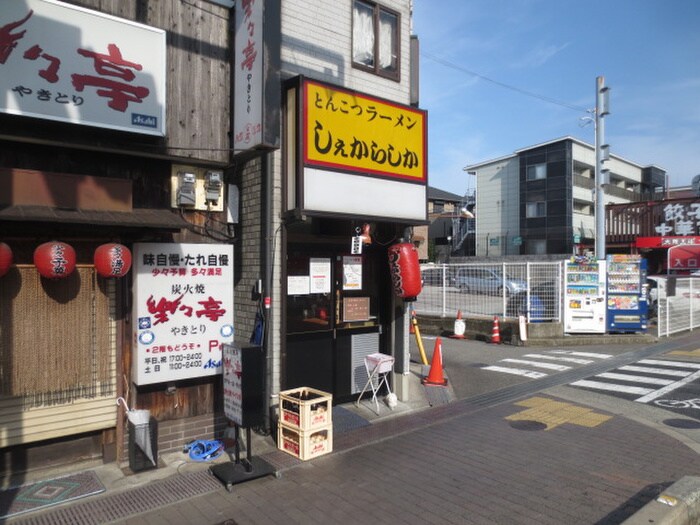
(248, 76)
(70, 64)
(183, 310)
(233, 388)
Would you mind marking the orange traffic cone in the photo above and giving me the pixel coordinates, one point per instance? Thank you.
(435, 377)
(495, 333)
(460, 327)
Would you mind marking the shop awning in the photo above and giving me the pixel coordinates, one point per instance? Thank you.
(137, 218)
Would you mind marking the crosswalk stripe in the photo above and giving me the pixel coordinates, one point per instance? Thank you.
(536, 364)
(566, 359)
(597, 385)
(582, 354)
(657, 371)
(638, 379)
(677, 364)
(670, 388)
(516, 371)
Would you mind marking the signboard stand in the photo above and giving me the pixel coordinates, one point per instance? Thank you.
(242, 470)
(243, 405)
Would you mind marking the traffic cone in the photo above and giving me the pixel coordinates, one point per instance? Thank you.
(460, 327)
(435, 376)
(495, 333)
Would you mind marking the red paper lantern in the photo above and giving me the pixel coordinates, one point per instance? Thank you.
(405, 270)
(54, 260)
(112, 260)
(5, 258)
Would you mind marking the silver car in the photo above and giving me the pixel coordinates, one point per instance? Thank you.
(483, 280)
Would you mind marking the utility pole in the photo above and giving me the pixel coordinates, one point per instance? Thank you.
(602, 154)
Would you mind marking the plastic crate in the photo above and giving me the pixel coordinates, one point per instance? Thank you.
(305, 408)
(305, 445)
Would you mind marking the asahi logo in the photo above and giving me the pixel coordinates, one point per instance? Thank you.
(147, 121)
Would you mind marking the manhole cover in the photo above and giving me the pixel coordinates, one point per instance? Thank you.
(527, 424)
(682, 423)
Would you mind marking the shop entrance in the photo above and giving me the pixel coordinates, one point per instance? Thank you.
(337, 312)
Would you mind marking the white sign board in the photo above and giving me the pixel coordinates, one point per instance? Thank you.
(320, 275)
(182, 311)
(248, 76)
(233, 386)
(70, 64)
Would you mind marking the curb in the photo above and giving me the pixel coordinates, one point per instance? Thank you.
(679, 504)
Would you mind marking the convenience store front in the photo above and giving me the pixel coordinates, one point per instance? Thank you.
(356, 180)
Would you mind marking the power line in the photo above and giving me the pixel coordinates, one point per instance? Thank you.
(451, 65)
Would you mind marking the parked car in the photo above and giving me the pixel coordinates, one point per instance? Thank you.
(544, 302)
(484, 280)
(434, 276)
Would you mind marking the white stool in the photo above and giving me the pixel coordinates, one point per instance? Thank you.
(378, 367)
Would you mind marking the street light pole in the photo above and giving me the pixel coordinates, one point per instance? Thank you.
(602, 176)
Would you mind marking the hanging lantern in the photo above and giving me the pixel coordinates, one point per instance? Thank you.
(405, 270)
(54, 260)
(5, 258)
(112, 260)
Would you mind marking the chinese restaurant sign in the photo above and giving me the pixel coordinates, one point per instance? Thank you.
(680, 219)
(353, 132)
(183, 310)
(70, 64)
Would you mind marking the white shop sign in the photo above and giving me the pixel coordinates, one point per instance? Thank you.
(66, 63)
(183, 310)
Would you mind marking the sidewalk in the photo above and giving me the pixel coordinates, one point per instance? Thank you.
(456, 462)
(178, 477)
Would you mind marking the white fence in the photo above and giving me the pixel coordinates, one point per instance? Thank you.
(678, 306)
(531, 289)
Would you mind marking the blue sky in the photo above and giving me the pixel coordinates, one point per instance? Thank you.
(648, 51)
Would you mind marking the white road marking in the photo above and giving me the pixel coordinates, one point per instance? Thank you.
(582, 354)
(677, 364)
(657, 371)
(670, 388)
(597, 385)
(566, 359)
(639, 379)
(516, 371)
(549, 366)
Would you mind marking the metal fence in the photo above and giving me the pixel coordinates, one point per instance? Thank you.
(678, 305)
(532, 289)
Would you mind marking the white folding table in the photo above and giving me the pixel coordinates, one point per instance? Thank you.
(378, 367)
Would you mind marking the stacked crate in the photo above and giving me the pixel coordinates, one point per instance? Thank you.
(305, 427)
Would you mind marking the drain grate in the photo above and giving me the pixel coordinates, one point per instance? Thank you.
(125, 504)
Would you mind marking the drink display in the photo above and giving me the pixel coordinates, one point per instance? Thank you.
(627, 303)
(584, 296)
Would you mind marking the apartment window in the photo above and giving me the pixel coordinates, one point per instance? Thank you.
(537, 172)
(375, 39)
(438, 206)
(537, 246)
(536, 209)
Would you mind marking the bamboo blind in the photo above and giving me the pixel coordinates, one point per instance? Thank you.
(56, 336)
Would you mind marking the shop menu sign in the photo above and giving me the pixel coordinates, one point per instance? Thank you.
(359, 154)
(66, 63)
(233, 387)
(183, 310)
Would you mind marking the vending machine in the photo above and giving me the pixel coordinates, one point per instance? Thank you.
(584, 296)
(627, 301)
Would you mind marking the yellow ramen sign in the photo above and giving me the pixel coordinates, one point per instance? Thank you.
(358, 133)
